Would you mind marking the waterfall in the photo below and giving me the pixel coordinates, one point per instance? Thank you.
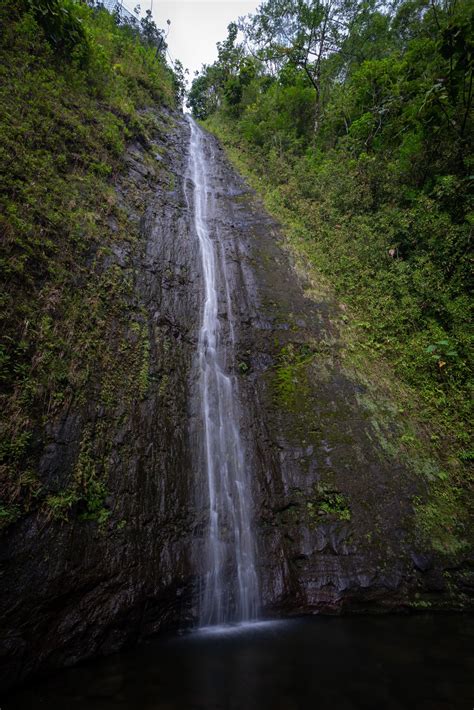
(230, 587)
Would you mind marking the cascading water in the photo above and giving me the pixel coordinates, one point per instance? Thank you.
(230, 591)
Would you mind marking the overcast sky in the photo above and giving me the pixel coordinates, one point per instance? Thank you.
(196, 26)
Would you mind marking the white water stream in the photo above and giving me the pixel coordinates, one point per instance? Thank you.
(230, 588)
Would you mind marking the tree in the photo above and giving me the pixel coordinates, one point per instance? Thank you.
(300, 32)
(179, 80)
(204, 96)
(151, 34)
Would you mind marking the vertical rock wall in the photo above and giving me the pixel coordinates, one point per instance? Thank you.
(74, 587)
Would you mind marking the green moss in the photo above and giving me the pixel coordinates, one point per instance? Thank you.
(87, 490)
(438, 518)
(311, 510)
(144, 374)
(442, 512)
(171, 182)
(164, 386)
(85, 470)
(291, 376)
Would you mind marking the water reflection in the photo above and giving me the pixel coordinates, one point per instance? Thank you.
(384, 663)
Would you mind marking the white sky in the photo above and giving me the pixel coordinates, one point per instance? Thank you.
(196, 26)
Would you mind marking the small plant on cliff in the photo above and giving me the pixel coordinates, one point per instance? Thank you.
(59, 506)
(442, 353)
(331, 502)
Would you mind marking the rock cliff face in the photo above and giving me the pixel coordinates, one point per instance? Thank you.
(73, 588)
(334, 519)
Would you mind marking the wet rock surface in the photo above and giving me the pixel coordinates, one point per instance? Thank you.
(333, 514)
(75, 588)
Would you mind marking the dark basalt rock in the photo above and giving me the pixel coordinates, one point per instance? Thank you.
(422, 562)
(333, 518)
(72, 589)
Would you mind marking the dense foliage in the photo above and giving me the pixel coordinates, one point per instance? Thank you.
(73, 86)
(354, 120)
(359, 120)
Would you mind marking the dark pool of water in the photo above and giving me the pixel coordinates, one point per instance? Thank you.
(384, 663)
